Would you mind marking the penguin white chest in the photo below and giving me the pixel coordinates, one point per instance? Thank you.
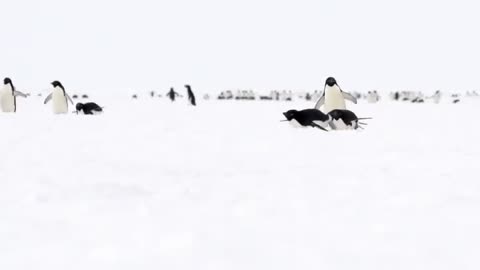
(334, 99)
(59, 101)
(7, 100)
(294, 123)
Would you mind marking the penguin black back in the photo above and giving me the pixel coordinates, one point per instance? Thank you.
(191, 96)
(89, 108)
(308, 117)
(347, 117)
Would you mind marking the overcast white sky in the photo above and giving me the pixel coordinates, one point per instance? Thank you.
(261, 44)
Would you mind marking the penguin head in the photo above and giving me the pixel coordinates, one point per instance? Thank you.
(79, 106)
(331, 81)
(290, 114)
(57, 84)
(7, 81)
(187, 86)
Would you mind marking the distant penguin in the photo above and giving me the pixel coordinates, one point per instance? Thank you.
(333, 97)
(172, 94)
(89, 108)
(59, 97)
(308, 117)
(437, 96)
(191, 96)
(372, 97)
(8, 96)
(344, 119)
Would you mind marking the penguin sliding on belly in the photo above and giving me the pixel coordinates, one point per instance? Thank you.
(88, 108)
(346, 118)
(308, 118)
(8, 96)
(316, 118)
(59, 98)
(333, 97)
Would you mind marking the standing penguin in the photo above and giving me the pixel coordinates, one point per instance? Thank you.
(59, 97)
(172, 94)
(333, 97)
(191, 96)
(8, 96)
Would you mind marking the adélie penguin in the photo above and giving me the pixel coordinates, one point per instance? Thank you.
(8, 96)
(308, 117)
(333, 97)
(88, 108)
(191, 96)
(59, 98)
(346, 118)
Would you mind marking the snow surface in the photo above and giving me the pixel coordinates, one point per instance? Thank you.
(226, 185)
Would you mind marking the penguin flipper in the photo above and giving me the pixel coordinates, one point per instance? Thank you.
(320, 102)
(348, 96)
(318, 126)
(69, 98)
(48, 98)
(18, 93)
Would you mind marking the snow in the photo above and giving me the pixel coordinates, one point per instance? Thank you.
(226, 185)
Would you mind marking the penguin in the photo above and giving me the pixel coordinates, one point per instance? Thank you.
(308, 117)
(172, 94)
(437, 96)
(191, 96)
(88, 108)
(8, 96)
(333, 97)
(344, 119)
(59, 97)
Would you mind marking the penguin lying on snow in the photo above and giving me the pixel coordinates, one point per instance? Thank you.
(308, 117)
(88, 108)
(316, 118)
(348, 118)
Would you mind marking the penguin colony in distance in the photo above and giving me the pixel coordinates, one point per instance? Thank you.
(8, 96)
